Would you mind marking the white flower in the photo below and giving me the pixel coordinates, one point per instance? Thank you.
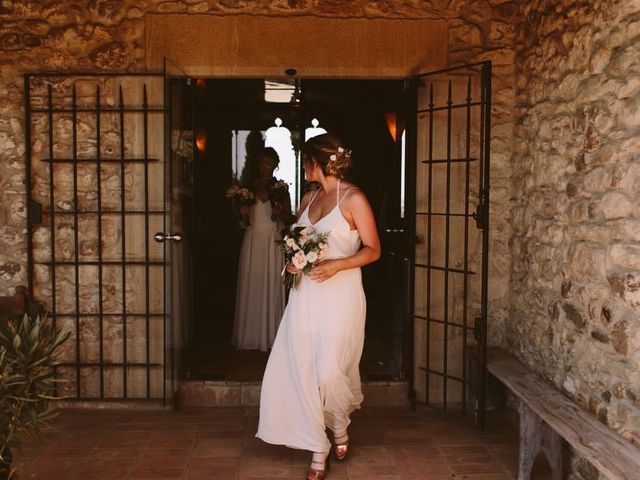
(333, 157)
(312, 257)
(340, 150)
(291, 243)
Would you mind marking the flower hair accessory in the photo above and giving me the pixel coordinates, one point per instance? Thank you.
(341, 151)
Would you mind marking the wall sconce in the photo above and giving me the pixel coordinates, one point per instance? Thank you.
(391, 120)
(201, 139)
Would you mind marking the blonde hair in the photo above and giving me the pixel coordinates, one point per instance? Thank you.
(329, 153)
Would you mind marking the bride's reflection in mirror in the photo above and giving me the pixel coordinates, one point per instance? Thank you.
(260, 294)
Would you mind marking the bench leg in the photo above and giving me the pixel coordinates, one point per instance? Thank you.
(536, 436)
(552, 448)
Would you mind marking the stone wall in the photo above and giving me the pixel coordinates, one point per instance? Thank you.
(575, 315)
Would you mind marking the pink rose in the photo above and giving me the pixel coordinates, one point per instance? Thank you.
(299, 260)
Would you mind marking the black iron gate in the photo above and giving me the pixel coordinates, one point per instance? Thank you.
(451, 144)
(95, 173)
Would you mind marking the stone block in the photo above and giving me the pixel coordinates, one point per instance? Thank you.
(209, 394)
(385, 394)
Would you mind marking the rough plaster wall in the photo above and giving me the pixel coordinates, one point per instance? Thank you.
(575, 315)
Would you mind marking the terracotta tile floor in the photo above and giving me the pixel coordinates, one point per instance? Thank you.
(219, 443)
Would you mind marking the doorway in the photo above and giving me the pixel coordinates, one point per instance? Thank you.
(231, 118)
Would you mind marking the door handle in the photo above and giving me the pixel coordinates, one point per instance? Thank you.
(161, 237)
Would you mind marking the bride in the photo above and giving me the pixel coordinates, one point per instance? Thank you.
(260, 293)
(312, 379)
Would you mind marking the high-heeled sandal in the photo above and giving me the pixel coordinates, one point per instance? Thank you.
(315, 473)
(341, 449)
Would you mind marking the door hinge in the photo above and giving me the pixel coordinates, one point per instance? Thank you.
(480, 214)
(477, 329)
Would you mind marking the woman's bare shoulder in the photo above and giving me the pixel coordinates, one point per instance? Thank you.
(304, 201)
(307, 196)
(351, 191)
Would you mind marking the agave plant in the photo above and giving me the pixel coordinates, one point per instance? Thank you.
(28, 355)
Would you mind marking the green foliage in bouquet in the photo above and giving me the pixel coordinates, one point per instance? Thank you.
(28, 354)
(303, 248)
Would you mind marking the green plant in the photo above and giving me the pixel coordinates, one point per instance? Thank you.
(28, 355)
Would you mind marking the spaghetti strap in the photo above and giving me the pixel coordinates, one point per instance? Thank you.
(313, 198)
(346, 193)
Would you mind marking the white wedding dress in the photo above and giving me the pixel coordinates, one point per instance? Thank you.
(312, 379)
(260, 292)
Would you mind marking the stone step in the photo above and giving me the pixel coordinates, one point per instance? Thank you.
(205, 393)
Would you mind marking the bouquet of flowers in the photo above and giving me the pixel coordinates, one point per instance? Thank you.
(279, 198)
(242, 200)
(279, 191)
(303, 247)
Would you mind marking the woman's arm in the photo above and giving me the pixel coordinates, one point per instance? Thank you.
(303, 204)
(283, 212)
(358, 213)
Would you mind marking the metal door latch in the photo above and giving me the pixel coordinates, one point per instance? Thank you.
(161, 237)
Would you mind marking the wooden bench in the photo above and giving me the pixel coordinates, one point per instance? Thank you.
(547, 417)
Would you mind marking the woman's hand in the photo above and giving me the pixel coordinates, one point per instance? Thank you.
(292, 269)
(324, 271)
(276, 209)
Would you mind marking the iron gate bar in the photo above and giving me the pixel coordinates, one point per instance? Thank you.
(52, 220)
(76, 246)
(30, 204)
(445, 375)
(453, 69)
(441, 214)
(167, 178)
(453, 107)
(123, 244)
(110, 364)
(92, 110)
(145, 107)
(465, 254)
(429, 239)
(446, 254)
(100, 259)
(107, 212)
(410, 209)
(453, 160)
(139, 314)
(89, 73)
(444, 269)
(104, 160)
(484, 203)
(435, 320)
(95, 262)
